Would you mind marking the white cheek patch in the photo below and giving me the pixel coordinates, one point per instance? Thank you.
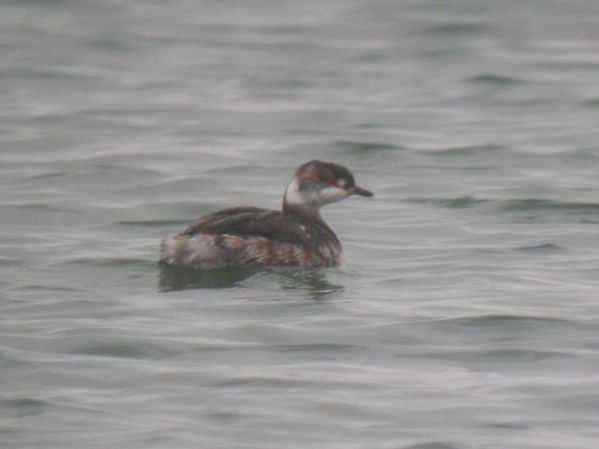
(342, 183)
(315, 197)
(332, 194)
(293, 194)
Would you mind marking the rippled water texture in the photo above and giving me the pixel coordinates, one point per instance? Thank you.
(467, 315)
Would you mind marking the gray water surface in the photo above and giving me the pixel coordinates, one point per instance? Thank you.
(467, 315)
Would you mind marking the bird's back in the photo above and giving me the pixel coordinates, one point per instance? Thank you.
(246, 236)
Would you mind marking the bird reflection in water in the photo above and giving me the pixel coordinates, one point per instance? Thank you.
(313, 281)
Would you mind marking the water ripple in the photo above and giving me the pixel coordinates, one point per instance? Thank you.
(458, 29)
(22, 407)
(546, 205)
(493, 79)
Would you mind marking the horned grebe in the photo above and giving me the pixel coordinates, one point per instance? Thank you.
(244, 236)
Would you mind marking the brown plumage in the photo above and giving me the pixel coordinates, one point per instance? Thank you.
(248, 236)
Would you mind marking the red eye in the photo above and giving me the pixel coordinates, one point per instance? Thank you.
(332, 182)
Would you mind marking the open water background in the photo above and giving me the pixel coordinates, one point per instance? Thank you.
(468, 313)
